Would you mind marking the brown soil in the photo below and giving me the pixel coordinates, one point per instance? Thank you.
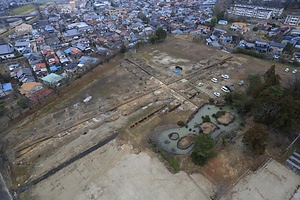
(208, 127)
(226, 119)
(185, 142)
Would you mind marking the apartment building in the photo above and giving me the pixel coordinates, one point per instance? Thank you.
(292, 20)
(260, 12)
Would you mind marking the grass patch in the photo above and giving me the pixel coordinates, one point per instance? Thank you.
(25, 9)
(173, 163)
(147, 56)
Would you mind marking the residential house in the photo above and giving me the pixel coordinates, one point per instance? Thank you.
(50, 56)
(52, 79)
(40, 69)
(72, 67)
(240, 27)
(34, 58)
(292, 20)
(71, 34)
(25, 75)
(29, 88)
(49, 29)
(7, 51)
(296, 56)
(75, 51)
(276, 47)
(62, 57)
(261, 47)
(23, 29)
(5, 89)
(20, 46)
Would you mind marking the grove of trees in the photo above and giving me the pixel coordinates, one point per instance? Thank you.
(159, 35)
(269, 102)
(203, 149)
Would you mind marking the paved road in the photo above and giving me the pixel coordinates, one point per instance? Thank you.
(4, 193)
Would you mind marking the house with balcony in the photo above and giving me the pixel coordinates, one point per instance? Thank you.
(261, 47)
(292, 20)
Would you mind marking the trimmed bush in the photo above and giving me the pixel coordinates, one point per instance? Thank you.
(206, 119)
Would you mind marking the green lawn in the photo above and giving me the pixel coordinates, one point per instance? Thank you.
(22, 10)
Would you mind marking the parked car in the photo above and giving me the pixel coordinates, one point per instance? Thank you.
(217, 94)
(225, 76)
(294, 71)
(286, 69)
(200, 84)
(225, 89)
(214, 80)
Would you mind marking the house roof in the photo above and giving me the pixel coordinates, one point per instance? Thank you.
(29, 86)
(40, 66)
(52, 78)
(25, 71)
(71, 33)
(21, 44)
(6, 49)
(277, 44)
(6, 87)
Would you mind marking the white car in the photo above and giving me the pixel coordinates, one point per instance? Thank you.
(217, 94)
(225, 76)
(225, 89)
(214, 80)
(200, 84)
(294, 71)
(286, 69)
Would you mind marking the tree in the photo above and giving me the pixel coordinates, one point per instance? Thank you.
(255, 84)
(289, 48)
(213, 22)
(123, 48)
(161, 33)
(23, 103)
(239, 100)
(3, 109)
(203, 149)
(153, 39)
(271, 78)
(256, 139)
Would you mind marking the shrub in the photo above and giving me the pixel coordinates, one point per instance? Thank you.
(180, 123)
(219, 114)
(206, 119)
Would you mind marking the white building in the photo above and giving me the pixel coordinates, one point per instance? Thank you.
(292, 20)
(255, 11)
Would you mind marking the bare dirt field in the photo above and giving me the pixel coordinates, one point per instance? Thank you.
(114, 172)
(131, 95)
(272, 181)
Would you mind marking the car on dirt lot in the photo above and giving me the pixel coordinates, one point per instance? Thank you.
(214, 80)
(217, 94)
(294, 71)
(200, 84)
(286, 69)
(225, 76)
(225, 89)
